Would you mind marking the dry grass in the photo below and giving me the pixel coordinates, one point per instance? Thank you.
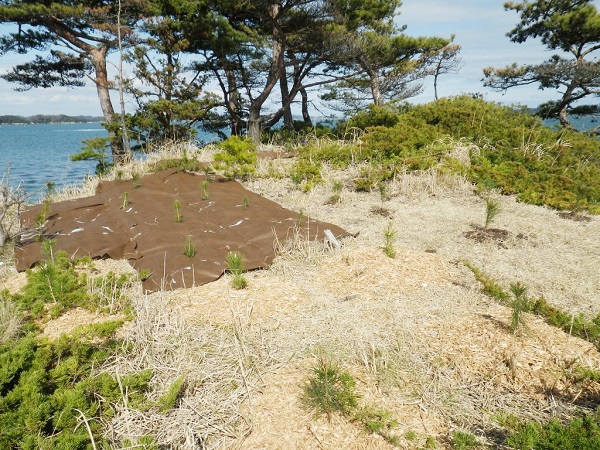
(415, 331)
(10, 321)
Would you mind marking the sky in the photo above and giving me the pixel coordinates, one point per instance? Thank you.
(479, 26)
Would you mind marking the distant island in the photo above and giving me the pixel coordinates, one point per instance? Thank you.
(42, 118)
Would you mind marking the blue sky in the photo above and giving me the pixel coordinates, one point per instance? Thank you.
(480, 27)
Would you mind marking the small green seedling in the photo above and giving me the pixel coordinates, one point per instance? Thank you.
(519, 305)
(235, 265)
(204, 188)
(492, 209)
(336, 186)
(189, 249)
(125, 198)
(389, 235)
(383, 193)
(246, 202)
(177, 208)
(136, 180)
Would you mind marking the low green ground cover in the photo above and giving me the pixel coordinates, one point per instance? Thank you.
(52, 392)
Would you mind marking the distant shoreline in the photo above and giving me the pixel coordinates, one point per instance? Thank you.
(47, 119)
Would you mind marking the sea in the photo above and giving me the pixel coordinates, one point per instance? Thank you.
(32, 155)
(37, 154)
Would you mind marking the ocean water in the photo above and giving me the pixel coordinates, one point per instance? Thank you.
(39, 153)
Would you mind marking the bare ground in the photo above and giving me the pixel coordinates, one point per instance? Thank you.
(415, 331)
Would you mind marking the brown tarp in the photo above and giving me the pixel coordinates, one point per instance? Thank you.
(144, 230)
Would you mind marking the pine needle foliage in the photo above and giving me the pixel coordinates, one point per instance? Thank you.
(389, 235)
(330, 390)
(235, 266)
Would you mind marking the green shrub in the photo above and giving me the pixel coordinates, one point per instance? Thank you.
(48, 388)
(518, 154)
(306, 174)
(191, 165)
(238, 158)
(54, 280)
(406, 143)
(372, 176)
(582, 433)
(377, 116)
(337, 153)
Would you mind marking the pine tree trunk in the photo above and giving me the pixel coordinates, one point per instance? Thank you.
(102, 87)
(305, 112)
(254, 124)
(288, 120)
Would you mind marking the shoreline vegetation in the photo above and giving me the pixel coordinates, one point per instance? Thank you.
(47, 119)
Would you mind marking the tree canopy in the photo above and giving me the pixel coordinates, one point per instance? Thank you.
(264, 56)
(572, 27)
(76, 37)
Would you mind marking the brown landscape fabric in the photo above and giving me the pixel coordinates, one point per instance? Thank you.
(138, 223)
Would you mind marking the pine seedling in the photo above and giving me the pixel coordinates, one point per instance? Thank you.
(383, 193)
(235, 265)
(189, 249)
(519, 305)
(204, 187)
(330, 389)
(125, 197)
(389, 235)
(300, 219)
(177, 208)
(40, 219)
(136, 180)
(492, 209)
(246, 202)
(336, 186)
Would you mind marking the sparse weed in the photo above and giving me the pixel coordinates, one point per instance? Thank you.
(300, 219)
(136, 180)
(109, 292)
(10, 320)
(378, 421)
(384, 195)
